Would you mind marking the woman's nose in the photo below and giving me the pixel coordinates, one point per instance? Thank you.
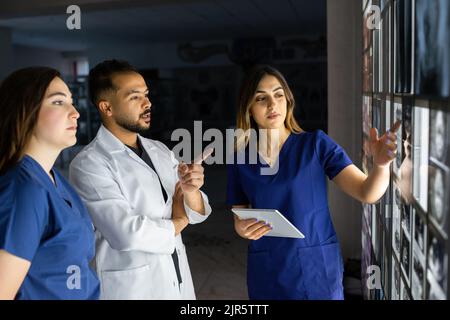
(74, 113)
(270, 103)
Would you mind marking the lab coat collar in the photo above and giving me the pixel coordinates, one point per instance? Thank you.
(110, 141)
(112, 144)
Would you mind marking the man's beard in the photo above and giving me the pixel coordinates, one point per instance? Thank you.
(133, 127)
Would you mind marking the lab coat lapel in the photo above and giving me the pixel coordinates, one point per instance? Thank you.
(114, 145)
(152, 152)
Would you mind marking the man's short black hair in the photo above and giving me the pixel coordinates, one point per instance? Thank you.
(100, 77)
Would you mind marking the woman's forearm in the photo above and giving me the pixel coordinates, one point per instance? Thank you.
(376, 184)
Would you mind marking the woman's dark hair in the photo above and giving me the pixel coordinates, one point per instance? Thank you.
(21, 95)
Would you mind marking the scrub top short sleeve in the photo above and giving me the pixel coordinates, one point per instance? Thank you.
(331, 156)
(309, 268)
(46, 223)
(22, 221)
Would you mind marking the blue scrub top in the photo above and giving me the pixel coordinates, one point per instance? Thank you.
(49, 226)
(285, 268)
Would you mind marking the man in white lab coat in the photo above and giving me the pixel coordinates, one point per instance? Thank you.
(139, 197)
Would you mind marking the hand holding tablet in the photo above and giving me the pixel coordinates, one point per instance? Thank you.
(281, 227)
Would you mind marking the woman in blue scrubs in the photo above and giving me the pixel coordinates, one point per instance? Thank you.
(46, 235)
(286, 268)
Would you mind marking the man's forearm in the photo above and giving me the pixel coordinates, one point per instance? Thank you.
(194, 200)
(179, 224)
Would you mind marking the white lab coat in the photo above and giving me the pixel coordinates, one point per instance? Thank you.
(134, 234)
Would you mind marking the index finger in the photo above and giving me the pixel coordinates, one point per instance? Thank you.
(396, 126)
(203, 156)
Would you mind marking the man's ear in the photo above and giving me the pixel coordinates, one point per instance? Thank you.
(105, 108)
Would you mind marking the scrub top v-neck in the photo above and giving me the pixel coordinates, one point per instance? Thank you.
(285, 268)
(47, 224)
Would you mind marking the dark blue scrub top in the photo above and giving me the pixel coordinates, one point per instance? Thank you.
(285, 268)
(49, 226)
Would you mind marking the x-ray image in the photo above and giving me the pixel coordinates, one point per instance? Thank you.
(434, 291)
(386, 63)
(398, 116)
(438, 206)
(395, 280)
(437, 262)
(385, 270)
(421, 122)
(404, 295)
(405, 255)
(432, 52)
(387, 105)
(406, 219)
(403, 45)
(367, 125)
(366, 245)
(439, 136)
(419, 233)
(375, 232)
(406, 168)
(376, 60)
(367, 111)
(417, 278)
(396, 206)
(366, 256)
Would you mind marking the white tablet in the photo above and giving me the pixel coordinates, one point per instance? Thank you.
(282, 227)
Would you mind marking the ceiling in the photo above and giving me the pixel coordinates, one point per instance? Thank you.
(43, 23)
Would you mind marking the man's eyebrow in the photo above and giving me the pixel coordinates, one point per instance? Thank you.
(136, 91)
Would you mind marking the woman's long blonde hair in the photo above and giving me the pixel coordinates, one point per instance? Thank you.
(244, 121)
